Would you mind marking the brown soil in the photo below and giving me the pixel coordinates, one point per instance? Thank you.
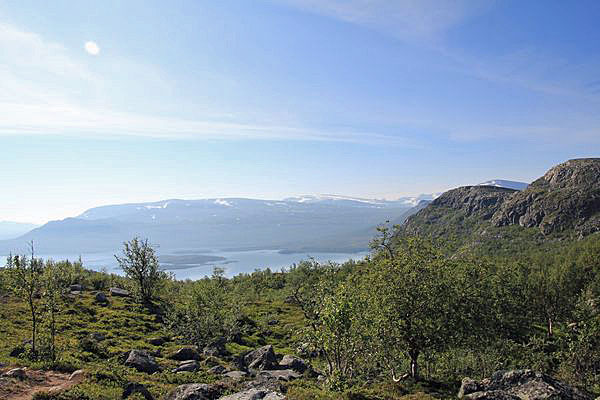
(36, 381)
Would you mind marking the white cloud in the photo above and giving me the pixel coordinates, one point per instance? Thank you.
(46, 90)
(92, 48)
(29, 51)
(405, 19)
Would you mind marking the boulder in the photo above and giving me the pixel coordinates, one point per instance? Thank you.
(218, 370)
(132, 388)
(279, 374)
(196, 391)
(266, 383)
(261, 359)
(295, 363)
(101, 298)
(185, 353)
(142, 361)
(76, 288)
(17, 373)
(117, 292)
(235, 375)
(187, 366)
(254, 394)
(520, 384)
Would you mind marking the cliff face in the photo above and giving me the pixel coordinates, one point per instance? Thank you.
(566, 199)
(458, 212)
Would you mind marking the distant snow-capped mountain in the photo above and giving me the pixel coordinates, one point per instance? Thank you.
(326, 222)
(505, 184)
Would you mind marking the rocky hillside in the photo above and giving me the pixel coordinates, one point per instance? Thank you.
(564, 202)
(566, 197)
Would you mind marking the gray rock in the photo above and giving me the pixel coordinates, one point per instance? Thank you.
(196, 391)
(76, 288)
(218, 370)
(235, 375)
(520, 384)
(132, 388)
(101, 298)
(260, 359)
(17, 373)
(185, 353)
(254, 394)
(282, 375)
(295, 363)
(142, 361)
(187, 366)
(117, 292)
(493, 395)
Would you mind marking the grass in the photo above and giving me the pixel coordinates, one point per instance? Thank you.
(127, 325)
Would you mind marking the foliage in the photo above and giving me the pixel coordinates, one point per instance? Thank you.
(422, 301)
(25, 276)
(202, 312)
(140, 265)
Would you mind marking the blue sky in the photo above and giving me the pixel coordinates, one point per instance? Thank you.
(274, 98)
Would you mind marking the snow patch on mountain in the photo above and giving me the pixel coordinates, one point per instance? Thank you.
(164, 205)
(505, 184)
(222, 202)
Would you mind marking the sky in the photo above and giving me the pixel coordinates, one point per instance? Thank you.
(105, 102)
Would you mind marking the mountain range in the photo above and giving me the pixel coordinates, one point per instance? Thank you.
(324, 223)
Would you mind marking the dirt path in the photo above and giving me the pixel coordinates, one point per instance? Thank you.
(36, 381)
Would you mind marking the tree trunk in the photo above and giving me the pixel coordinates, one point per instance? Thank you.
(33, 333)
(33, 325)
(414, 366)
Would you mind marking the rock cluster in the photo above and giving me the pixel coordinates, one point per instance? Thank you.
(519, 385)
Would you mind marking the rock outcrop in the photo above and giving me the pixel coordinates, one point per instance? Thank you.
(294, 363)
(118, 292)
(255, 394)
(567, 196)
(185, 353)
(142, 361)
(520, 385)
(260, 359)
(187, 366)
(197, 391)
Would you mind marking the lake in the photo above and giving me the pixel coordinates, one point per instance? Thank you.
(186, 264)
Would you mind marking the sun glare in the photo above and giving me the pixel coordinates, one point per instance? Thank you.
(92, 48)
